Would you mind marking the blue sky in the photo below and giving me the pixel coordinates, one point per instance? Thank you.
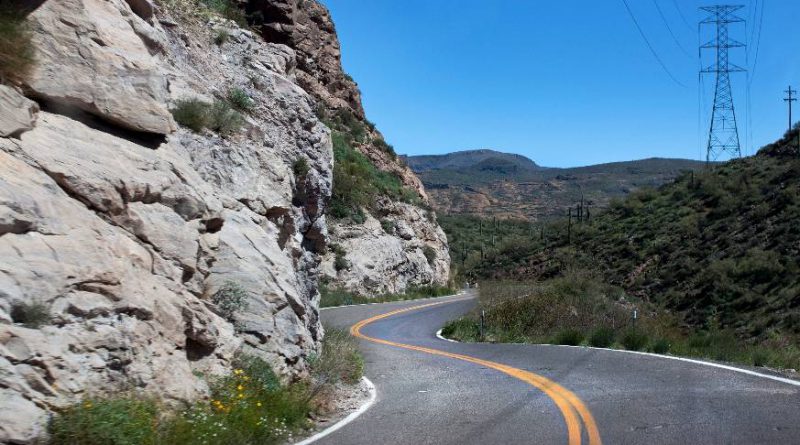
(565, 83)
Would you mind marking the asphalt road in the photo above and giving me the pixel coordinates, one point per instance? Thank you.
(425, 397)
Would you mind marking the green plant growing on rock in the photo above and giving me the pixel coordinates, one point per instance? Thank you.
(221, 36)
(388, 226)
(300, 167)
(228, 9)
(240, 100)
(17, 54)
(31, 315)
(198, 115)
(192, 114)
(223, 119)
(230, 299)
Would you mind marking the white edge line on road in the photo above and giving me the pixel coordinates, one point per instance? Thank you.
(670, 357)
(353, 416)
(388, 302)
(441, 337)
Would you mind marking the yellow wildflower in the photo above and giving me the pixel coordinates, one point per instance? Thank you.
(258, 404)
(240, 388)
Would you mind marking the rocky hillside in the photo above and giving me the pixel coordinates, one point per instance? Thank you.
(386, 240)
(164, 183)
(721, 247)
(490, 183)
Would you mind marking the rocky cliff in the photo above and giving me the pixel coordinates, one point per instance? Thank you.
(136, 254)
(120, 229)
(377, 260)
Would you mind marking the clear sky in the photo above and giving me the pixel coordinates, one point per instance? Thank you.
(563, 82)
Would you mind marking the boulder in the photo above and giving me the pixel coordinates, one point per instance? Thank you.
(89, 57)
(17, 113)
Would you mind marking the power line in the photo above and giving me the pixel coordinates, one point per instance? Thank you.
(652, 50)
(758, 43)
(683, 17)
(669, 28)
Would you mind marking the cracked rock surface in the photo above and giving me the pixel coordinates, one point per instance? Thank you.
(123, 226)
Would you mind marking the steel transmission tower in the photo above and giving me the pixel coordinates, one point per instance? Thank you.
(723, 136)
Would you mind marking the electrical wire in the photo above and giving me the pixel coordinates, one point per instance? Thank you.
(683, 17)
(758, 42)
(669, 28)
(652, 50)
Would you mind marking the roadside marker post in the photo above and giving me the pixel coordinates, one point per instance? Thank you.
(483, 316)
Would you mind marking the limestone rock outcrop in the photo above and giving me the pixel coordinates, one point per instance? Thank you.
(99, 57)
(380, 262)
(113, 244)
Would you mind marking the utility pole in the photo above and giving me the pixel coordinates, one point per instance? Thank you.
(723, 135)
(789, 99)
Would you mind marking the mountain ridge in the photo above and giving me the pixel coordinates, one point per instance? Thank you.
(508, 185)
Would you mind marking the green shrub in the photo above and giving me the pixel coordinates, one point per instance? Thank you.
(228, 9)
(223, 119)
(249, 406)
(221, 36)
(357, 183)
(192, 114)
(463, 329)
(759, 357)
(300, 167)
(571, 337)
(120, 421)
(602, 337)
(430, 254)
(387, 226)
(239, 99)
(634, 340)
(17, 54)
(340, 262)
(339, 359)
(661, 346)
(31, 315)
(230, 299)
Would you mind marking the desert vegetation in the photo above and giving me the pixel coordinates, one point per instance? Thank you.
(198, 115)
(248, 406)
(710, 260)
(577, 309)
(333, 296)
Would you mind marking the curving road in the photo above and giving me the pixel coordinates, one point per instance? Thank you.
(431, 391)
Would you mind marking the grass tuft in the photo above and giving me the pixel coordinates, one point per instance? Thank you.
(634, 339)
(31, 315)
(240, 100)
(198, 115)
(17, 54)
(230, 299)
(571, 337)
(602, 337)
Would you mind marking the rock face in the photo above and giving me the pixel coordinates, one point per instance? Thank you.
(113, 244)
(390, 261)
(307, 27)
(380, 262)
(103, 67)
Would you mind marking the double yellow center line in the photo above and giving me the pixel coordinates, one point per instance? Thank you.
(571, 407)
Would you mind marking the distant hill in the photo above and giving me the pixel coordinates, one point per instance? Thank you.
(720, 247)
(488, 182)
(470, 159)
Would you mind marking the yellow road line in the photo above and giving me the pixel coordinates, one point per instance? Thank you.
(566, 401)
